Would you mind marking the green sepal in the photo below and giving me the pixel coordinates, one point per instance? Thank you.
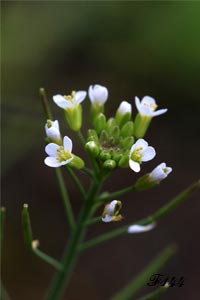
(141, 125)
(122, 119)
(105, 155)
(144, 183)
(127, 142)
(124, 161)
(127, 129)
(76, 162)
(95, 110)
(111, 123)
(73, 116)
(100, 123)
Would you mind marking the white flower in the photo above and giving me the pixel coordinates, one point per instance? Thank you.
(124, 108)
(140, 151)
(98, 94)
(52, 130)
(140, 228)
(147, 107)
(69, 101)
(160, 172)
(111, 212)
(59, 155)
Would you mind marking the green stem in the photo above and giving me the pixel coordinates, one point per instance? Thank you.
(93, 221)
(71, 254)
(76, 181)
(110, 196)
(45, 103)
(143, 278)
(3, 293)
(163, 211)
(2, 215)
(81, 138)
(32, 244)
(154, 295)
(48, 259)
(65, 198)
(87, 171)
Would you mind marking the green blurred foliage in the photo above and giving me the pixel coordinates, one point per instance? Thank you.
(134, 48)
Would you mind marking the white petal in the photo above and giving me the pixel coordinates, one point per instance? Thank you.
(52, 162)
(135, 166)
(55, 124)
(146, 111)
(141, 143)
(148, 100)
(137, 103)
(98, 94)
(148, 154)
(138, 228)
(53, 133)
(160, 172)
(125, 107)
(107, 219)
(67, 143)
(61, 101)
(110, 208)
(80, 96)
(51, 149)
(160, 112)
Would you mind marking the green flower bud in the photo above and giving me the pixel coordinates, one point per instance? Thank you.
(124, 161)
(76, 162)
(116, 156)
(105, 155)
(141, 125)
(127, 142)
(92, 135)
(109, 164)
(73, 116)
(127, 129)
(115, 132)
(104, 136)
(100, 123)
(92, 148)
(111, 123)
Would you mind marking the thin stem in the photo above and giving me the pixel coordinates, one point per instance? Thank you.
(45, 103)
(33, 244)
(161, 212)
(81, 138)
(76, 181)
(3, 216)
(93, 221)
(65, 198)
(143, 278)
(110, 196)
(4, 294)
(48, 259)
(71, 253)
(87, 171)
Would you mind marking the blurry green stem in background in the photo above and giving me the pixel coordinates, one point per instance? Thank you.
(3, 215)
(33, 244)
(45, 104)
(65, 198)
(163, 211)
(141, 280)
(155, 295)
(76, 181)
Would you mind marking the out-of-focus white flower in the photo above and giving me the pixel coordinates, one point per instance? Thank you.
(52, 130)
(160, 172)
(59, 155)
(125, 107)
(140, 151)
(111, 212)
(135, 228)
(98, 94)
(71, 100)
(147, 107)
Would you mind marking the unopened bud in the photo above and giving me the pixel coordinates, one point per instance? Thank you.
(127, 129)
(92, 148)
(100, 123)
(109, 164)
(76, 162)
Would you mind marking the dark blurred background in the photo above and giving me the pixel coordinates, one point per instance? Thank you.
(133, 48)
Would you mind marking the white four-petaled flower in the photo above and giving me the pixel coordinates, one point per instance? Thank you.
(147, 107)
(124, 108)
(140, 151)
(69, 101)
(135, 228)
(98, 94)
(52, 130)
(160, 172)
(59, 155)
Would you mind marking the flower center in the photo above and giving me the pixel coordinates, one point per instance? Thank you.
(151, 105)
(63, 154)
(136, 155)
(71, 97)
(165, 170)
